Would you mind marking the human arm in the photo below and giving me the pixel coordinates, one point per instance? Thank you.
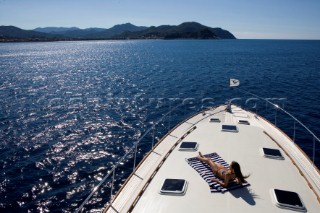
(223, 184)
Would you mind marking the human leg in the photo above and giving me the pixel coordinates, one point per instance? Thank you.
(212, 164)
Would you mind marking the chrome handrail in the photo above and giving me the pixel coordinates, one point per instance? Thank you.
(286, 112)
(129, 151)
(152, 128)
(315, 138)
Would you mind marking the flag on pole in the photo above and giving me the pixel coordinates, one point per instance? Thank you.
(234, 82)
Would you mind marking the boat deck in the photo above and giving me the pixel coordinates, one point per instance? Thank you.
(141, 191)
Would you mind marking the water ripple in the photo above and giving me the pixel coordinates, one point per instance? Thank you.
(70, 110)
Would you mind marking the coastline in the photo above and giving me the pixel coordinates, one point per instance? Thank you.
(16, 40)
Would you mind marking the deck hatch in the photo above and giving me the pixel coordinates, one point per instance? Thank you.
(215, 120)
(288, 200)
(174, 186)
(230, 128)
(188, 146)
(272, 153)
(244, 122)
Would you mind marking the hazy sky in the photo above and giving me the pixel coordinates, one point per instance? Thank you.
(292, 19)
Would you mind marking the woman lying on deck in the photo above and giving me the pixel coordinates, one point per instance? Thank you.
(224, 173)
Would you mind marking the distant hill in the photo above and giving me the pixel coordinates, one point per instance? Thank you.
(55, 30)
(117, 30)
(11, 33)
(70, 32)
(91, 33)
(187, 30)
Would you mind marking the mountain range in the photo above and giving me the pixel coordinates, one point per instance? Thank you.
(186, 30)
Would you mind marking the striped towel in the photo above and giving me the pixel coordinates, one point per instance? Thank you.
(206, 173)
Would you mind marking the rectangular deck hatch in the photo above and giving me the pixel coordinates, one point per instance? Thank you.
(188, 146)
(229, 128)
(244, 122)
(288, 200)
(272, 153)
(215, 120)
(174, 186)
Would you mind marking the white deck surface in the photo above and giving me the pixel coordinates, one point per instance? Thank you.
(243, 147)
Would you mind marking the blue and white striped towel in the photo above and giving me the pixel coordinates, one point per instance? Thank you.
(206, 173)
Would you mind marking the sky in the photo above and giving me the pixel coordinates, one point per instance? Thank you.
(246, 19)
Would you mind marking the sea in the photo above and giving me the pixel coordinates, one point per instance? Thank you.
(69, 111)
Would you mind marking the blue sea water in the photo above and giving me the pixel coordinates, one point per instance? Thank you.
(70, 110)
